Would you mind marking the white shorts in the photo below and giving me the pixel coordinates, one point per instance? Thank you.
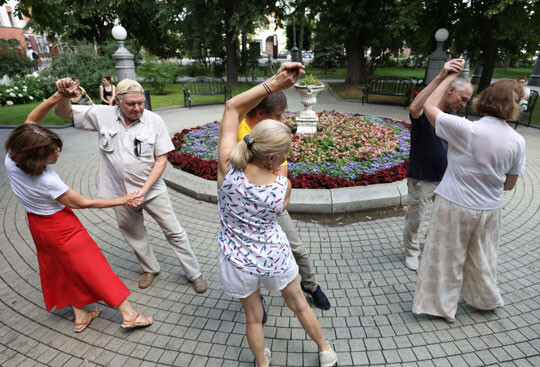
(239, 284)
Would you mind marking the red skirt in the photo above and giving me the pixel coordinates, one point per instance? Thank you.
(72, 268)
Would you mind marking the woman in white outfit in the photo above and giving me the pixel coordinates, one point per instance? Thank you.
(484, 159)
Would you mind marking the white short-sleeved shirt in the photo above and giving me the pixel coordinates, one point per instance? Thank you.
(480, 155)
(37, 194)
(122, 169)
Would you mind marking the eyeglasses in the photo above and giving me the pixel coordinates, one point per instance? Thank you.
(137, 149)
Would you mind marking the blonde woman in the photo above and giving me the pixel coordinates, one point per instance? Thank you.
(254, 248)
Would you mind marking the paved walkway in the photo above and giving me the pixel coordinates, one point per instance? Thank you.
(358, 260)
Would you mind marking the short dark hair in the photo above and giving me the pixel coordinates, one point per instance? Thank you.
(108, 77)
(500, 99)
(270, 103)
(30, 146)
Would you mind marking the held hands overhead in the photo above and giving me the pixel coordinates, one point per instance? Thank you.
(287, 75)
(66, 88)
(454, 66)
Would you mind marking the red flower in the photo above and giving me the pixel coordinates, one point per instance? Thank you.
(208, 170)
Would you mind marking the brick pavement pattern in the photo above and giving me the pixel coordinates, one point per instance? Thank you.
(358, 262)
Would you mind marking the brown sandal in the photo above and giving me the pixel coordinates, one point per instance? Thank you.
(136, 322)
(79, 327)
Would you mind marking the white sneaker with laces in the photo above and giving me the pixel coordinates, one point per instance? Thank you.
(411, 262)
(328, 358)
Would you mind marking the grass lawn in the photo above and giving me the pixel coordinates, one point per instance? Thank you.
(16, 115)
(175, 96)
(354, 92)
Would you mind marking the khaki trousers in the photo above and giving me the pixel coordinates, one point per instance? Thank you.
(420, 195)
(299, 252)
(459, 261)
(131, 225)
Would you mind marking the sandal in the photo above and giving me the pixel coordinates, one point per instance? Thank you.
(79, 327)
(138, 321)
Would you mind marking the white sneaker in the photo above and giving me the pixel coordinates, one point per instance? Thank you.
(328, 358)
(267, 356)
(412, 262)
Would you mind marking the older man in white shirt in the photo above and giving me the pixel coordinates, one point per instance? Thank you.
(133, 155)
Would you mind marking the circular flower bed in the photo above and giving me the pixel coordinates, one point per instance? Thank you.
(347, 150)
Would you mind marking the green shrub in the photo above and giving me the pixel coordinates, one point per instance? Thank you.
(84, 64)
(157, 73)
(23, 90)
(13, 62)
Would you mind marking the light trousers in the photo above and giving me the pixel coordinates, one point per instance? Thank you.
(300, 254)
(131, 225)
(420, 195)
(459, 261)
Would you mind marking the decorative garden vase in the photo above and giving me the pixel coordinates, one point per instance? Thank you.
(307, 121)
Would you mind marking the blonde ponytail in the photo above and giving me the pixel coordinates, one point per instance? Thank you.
(269, 137)
(240, 155)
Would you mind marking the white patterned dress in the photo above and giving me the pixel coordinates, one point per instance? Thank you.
(250, 237)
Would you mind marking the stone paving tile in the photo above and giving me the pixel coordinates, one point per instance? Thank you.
(358, 260)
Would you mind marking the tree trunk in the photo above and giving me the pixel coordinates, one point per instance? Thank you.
(302, 14)
(356, 63)
(231, 44)
(489, 59)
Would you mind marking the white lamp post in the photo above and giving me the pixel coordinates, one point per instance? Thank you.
(437, 59)
(125, 67)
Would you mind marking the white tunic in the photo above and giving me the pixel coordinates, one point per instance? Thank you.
(480, 154)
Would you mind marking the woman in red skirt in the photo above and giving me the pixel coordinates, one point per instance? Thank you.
(72, 268)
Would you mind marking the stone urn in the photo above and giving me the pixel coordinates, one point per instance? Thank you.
(307, 121)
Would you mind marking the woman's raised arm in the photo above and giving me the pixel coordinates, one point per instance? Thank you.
(237, 107)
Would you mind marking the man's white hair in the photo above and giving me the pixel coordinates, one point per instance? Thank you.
(460, 84)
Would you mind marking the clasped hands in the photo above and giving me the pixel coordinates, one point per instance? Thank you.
(134, 199)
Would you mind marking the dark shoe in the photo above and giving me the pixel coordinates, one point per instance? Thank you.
(319, 298)
(146, 280)
(265, 316)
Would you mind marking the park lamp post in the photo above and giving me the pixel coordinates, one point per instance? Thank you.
(535, 76)
(437, 59)
(295, 52)
(125, 67)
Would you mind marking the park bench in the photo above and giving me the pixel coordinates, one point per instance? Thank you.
(525, 116)
(205, 87)
(388, 86)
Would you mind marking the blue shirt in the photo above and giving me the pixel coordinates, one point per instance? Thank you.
(427, 158)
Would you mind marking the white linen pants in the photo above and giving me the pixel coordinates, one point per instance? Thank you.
(420, 195)
(131, 225)
(307, 276)
(460, 260)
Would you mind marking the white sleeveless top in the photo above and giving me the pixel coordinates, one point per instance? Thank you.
(250, 236)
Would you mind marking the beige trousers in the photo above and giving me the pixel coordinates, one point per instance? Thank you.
(459, 261)
(131, 225)
(420, 195)
(299, 252)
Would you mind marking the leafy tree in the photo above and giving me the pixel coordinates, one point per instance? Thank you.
(487, 29)
(359, 25)
(214, 28)
(148, 21)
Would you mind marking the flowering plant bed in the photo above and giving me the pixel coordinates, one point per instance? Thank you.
(347, 150)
